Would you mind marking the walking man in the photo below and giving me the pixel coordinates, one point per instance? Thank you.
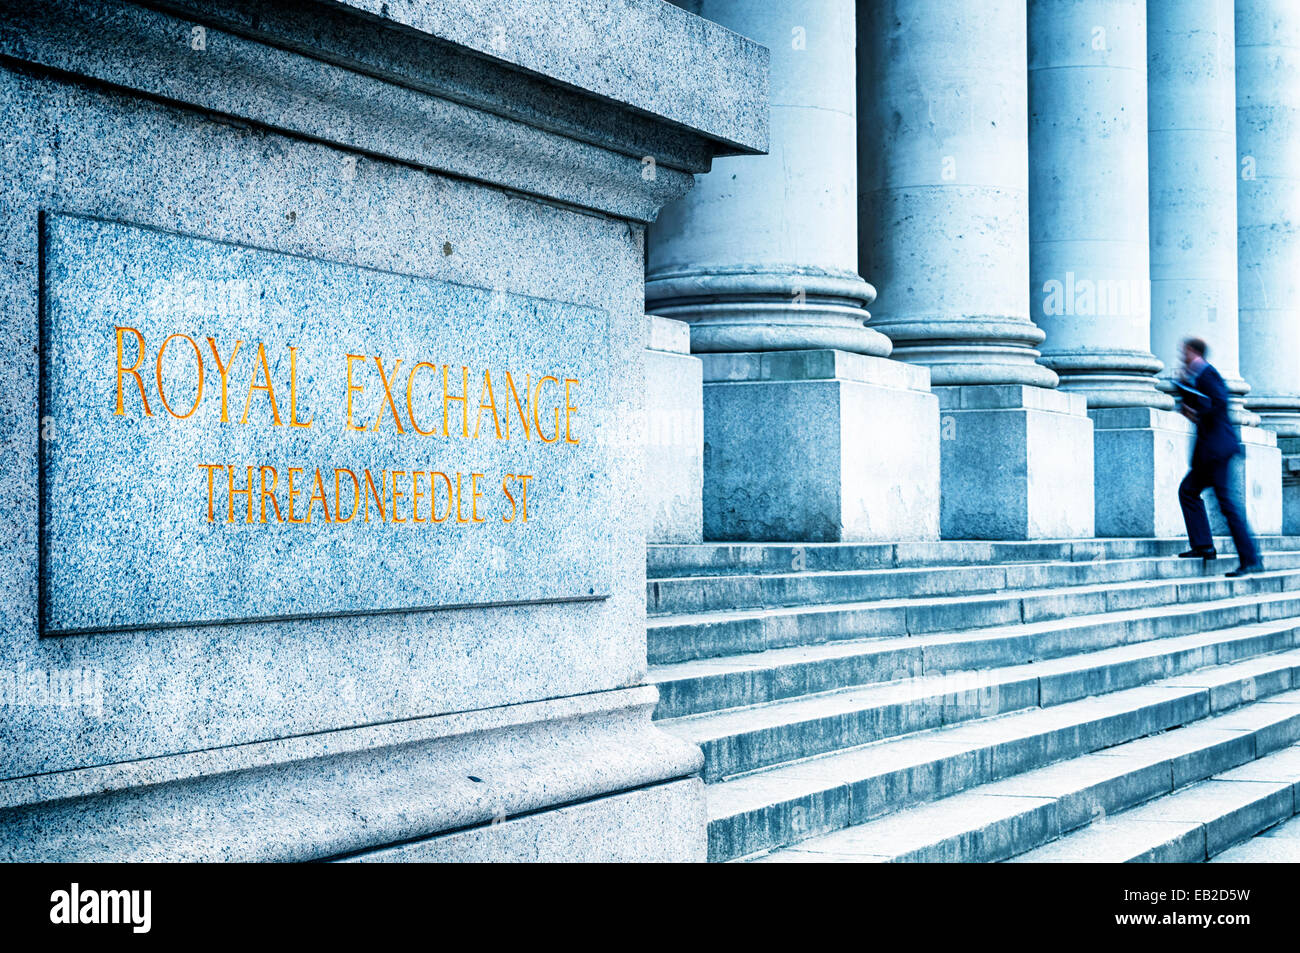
(1205, 402)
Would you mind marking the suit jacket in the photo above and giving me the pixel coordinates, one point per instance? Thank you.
(1216, 436)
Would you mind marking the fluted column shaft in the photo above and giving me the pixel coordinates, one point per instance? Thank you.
(1088, 196)
(762, 254)
(1193, 166)
(944, 182)
(1268, 207)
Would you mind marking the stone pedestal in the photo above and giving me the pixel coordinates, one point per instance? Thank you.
(1017, 463)
(674, 444)
(1290, 450)
(1259, 476)
(1141, 457)
(821, 446)
(363, 195)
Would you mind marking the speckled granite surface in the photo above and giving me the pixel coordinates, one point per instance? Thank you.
(353, 167)
(379, 446)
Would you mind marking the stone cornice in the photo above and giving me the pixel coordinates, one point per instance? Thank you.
(336, 77)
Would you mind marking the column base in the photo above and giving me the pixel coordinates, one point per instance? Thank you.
(819, 446)
(1141, 457)
(1017, 463)
(1282, 424)
(1261, 474)
(674, 461)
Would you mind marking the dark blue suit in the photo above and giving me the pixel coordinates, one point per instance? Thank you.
(1217, 446)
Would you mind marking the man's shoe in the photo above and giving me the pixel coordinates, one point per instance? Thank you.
(1199, 554)
(1246, 570)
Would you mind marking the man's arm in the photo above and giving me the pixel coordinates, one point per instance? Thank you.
(1191, 401)
(1215, 391)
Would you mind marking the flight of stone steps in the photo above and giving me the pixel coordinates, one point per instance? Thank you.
(1095, 700)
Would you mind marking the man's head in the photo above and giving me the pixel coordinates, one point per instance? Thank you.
(1194, 351)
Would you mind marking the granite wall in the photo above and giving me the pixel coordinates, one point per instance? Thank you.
(463, 184)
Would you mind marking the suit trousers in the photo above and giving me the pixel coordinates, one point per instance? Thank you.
(1217, 474)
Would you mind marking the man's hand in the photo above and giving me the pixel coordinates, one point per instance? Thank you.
(1188, 412)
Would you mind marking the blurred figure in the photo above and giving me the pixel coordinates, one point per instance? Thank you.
(1205, 402)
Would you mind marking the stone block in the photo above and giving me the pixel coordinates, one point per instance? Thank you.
(1017, 463)
(1258, 473)
(1291, 495)
(1141, 457)
(674, 454)
(819, 446)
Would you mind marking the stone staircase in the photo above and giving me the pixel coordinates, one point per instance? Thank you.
(1095, 700)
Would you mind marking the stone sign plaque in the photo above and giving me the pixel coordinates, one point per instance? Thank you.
(232, 434)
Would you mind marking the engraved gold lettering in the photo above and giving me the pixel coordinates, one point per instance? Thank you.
(460, 517)
(505, 488)
(379, 496)
(353, 388)
(224, 371)
(523, 479)
(275, 504)
(231, 493)
(537, 400)
(266, 388)
(416, 494)
(338, 495)
(388, 396)
(521, 409)
(569, 408)
(522, 502)
(410, 409)
(474, 496)
(447, 398)
(210, 467)
(293, 390)
(397, 496)
(433, 497)
(158, 376)
(490, 405)
(133, 370)
(293, 493)
(318, 493)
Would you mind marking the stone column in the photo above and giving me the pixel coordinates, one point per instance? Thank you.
(944, 207)
(1268, 230)
(1192, 140)
(761, 260)
(1090, 250)
(1193, 180)
(1088, 226)
(1268, 207)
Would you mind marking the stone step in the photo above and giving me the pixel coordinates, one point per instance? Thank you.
(1120, 647)
(699, 594)
(739, 740)
(1014, 819)
(1277, 845)
(1194, 824)
(713, 634)
(792, 802)
(720, 559)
